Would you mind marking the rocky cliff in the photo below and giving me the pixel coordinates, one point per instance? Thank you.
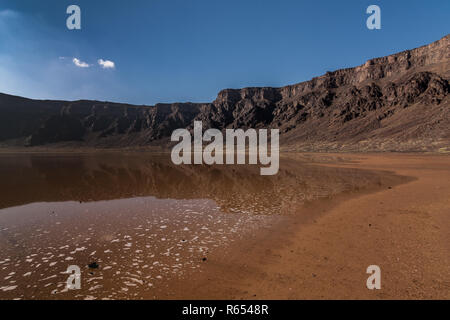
(399, 102)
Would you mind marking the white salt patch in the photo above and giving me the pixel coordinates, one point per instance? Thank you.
(94, 278)
(10, 288)
(78, 249)
(95, 287)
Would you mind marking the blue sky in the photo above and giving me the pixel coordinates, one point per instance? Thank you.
(179, 50)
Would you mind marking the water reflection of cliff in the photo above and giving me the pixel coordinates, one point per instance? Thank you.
(44, 178)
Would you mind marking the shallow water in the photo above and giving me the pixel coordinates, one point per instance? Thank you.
(143, 220)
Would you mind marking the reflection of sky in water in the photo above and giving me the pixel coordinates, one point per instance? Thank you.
(38, 178)
(143, 220)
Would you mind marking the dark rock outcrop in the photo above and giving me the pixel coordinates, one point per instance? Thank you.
(399, 102)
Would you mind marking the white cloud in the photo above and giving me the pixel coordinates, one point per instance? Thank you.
(106, 64)
(80, 63)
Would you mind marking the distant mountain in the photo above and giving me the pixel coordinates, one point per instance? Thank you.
(395, 103)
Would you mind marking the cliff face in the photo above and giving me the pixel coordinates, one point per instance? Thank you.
(399, 102)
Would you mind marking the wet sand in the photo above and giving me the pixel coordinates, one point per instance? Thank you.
(404, 229)
(158, 231)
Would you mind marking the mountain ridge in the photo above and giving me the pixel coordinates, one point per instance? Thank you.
(393, 103)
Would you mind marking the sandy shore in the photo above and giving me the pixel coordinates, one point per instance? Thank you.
(404, 229)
